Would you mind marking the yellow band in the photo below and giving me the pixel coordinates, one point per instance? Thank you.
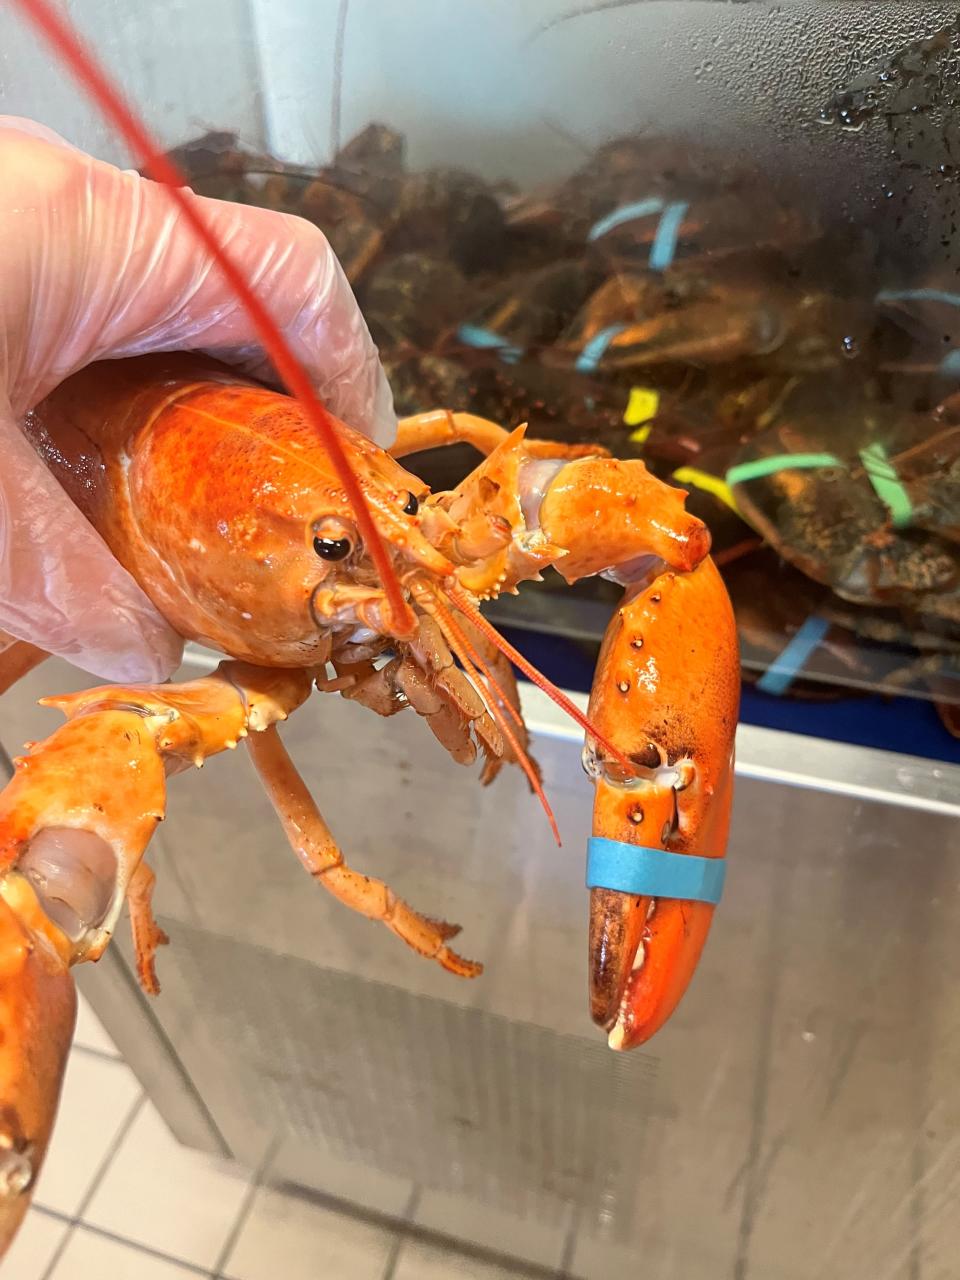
(709, 484)
(641, 407)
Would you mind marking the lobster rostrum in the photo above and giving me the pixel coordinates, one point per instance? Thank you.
(264, 529)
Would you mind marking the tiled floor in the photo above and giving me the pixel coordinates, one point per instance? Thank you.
(120, 1198)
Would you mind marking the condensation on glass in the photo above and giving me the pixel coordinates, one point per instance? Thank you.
(717, 237)
(722, 238)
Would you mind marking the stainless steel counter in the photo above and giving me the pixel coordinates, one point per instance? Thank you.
(797, 1119)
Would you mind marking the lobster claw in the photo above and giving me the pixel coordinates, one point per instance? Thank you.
(641, 963)
(38, 1010)
(666, 693)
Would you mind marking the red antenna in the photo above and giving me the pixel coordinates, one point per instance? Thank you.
(69, 47)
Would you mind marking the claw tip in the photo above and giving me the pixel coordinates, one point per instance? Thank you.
(617, 1036)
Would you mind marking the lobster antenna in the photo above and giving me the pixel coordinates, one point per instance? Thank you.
(69, 47)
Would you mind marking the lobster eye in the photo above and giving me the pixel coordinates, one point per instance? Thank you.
(332, 548)
(411, 506)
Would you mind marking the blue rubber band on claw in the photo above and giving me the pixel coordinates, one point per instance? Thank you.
(653, 873)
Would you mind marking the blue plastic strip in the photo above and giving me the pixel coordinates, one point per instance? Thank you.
(654, 873)
(474, 335)
(665, 241)
(782, 672)
(950, 364)
(626, 213)
(593, 352)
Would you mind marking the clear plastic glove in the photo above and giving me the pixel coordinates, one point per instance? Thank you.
(98, 263)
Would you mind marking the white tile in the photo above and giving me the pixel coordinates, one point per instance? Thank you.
(158, 1193)
(419, 1261)
(29, 1255)
(90, 1033)
(88, 1254)
(291, 1237)
(97, 1098)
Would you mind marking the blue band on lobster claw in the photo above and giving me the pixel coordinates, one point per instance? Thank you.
(654, 873)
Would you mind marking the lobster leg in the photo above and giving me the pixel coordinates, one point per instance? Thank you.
(79, 834)
(439, 427)
(147, 934)
(316, 848)
(17, 657)
(666, 693)
(665, 696)
(74, 822)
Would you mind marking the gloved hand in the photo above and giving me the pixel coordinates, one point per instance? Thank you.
(97, 263)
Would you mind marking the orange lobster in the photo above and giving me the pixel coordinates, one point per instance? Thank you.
(264, 529)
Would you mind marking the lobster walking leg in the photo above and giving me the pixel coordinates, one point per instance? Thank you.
(439, 427)
(17, 658)
(316, 848)
(147, 934)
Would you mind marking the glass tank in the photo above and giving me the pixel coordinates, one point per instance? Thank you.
(721, 238)
(718, 238)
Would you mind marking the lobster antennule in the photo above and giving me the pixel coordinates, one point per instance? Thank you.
(71, 50)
